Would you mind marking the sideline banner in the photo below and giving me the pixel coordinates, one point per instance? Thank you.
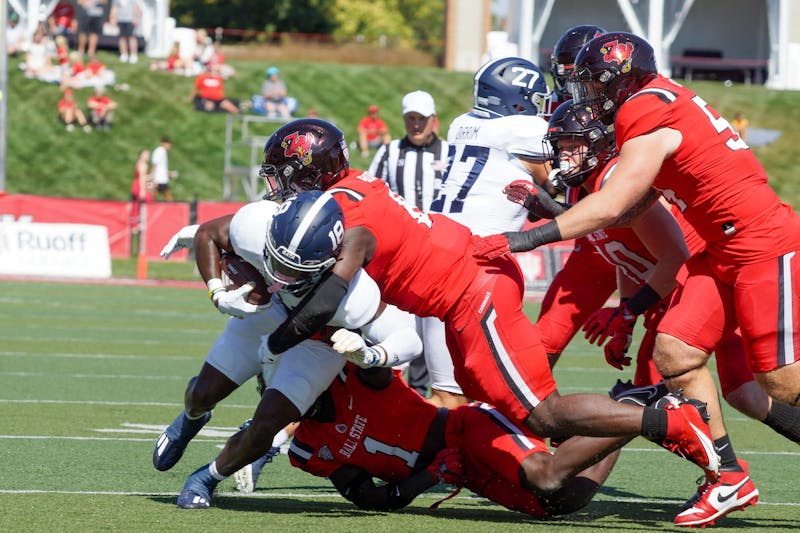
(55, 250)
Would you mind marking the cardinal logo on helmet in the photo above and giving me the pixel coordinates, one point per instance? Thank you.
(617, 52)
(299, 146)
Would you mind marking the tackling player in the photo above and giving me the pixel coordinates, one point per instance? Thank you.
(473, 446)
(674, 144)
(424, 264)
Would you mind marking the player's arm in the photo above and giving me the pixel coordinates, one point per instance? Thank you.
(660, 233)
(358, 486)
(211, 238)
(627, 193)
(320, 305)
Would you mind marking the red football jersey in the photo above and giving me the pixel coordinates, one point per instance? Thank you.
(380, 431)
(423, 261)
(713, 177)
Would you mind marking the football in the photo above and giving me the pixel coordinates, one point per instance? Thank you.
(236, 272)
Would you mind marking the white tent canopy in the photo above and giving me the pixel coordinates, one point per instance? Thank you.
(745, 30)
(154, 26)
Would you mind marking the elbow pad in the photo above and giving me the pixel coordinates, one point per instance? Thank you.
(310, 315)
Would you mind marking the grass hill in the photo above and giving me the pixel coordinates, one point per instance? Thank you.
(44, 159)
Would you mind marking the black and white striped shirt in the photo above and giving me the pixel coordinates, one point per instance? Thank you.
(413, 172)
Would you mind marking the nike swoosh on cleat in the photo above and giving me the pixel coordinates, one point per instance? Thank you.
(722, 497)
(708, 446)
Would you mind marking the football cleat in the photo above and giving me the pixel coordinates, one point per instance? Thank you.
(693, 440)
(173, 441)
(197, 490)
(247, 476)
(638, 395)
(731, 491)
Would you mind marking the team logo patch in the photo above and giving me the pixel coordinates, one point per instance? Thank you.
(325, 453)
(617, 52)
(299, 146)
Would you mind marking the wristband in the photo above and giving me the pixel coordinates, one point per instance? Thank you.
(523, 241)
(214, 285)
(643, 299)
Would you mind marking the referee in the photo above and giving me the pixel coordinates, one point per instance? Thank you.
(413, 167)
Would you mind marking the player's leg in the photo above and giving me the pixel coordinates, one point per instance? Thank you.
(232, 360)
(498, 358)
(579, 289)
(699, 317)
(445, 391)
(302, 374)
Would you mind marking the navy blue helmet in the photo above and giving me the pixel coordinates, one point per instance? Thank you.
(571, 120)
(562, 60)
(509, 86)
(609, 69)
(303, 155)
(303, 240)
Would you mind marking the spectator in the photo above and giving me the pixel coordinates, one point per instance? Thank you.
(413, 168)
(102, 107)
(62, 52)
(91, 25)
(208, 92)
(38, 60)
(372, 131)
(69, 112)
(275, 95)
(15, 35)
(203, 50)
(173, 62)
(125, 14)
(160, 169)
(740, 125)
(142, 187)
(62, 20)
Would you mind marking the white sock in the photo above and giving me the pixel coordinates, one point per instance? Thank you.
(212, 469)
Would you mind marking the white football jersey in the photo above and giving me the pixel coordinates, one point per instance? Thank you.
(481, 162)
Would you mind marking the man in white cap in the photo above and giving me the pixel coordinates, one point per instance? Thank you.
(413, 167)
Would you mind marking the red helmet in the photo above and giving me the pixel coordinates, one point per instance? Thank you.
(303, 155)
(609, 69)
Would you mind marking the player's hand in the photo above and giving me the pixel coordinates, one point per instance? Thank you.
(183, 239)
(491, 247)
(617, 323)
(448, 467)
(534, 198)
(234, 302)
(353, 348)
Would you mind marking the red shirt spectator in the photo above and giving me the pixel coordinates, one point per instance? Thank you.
(372, 131)
(210, 86)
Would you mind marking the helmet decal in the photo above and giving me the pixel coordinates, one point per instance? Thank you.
(617, 52)
(299, 146)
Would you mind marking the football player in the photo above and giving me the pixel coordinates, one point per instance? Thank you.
(672, 143)
(294, 381)
(424, 264)
(347, 438)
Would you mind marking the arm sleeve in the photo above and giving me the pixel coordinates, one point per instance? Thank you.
(364, 493)
(313, 312)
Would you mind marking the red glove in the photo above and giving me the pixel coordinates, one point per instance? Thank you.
(618, 323)
(448, 467)
(518, 191)
(534, 198)
(491, 247)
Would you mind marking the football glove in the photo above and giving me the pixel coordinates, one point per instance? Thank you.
(498, 245)
(354, 348)
(183, 239)
(617, 323)
(448, 467)
(234, 302)
(533, 198)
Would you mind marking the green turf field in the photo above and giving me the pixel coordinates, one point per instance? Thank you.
(90, 374)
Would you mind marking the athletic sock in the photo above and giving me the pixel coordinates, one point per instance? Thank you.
(727, 456)
(784, 419)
